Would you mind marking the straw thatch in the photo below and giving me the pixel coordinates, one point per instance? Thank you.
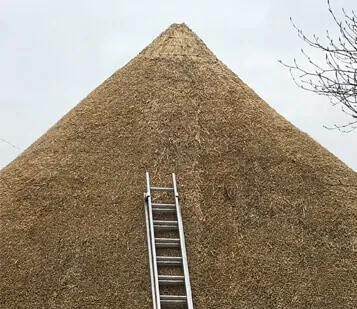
(270, 216)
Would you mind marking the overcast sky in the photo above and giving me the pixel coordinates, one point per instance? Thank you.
(53, 53)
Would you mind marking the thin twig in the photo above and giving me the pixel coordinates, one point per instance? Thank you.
(7, 142)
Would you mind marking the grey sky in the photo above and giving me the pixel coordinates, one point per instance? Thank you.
(53, 53)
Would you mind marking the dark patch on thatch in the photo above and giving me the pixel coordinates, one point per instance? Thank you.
(270, 215)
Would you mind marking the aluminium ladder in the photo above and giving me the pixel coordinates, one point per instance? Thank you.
(157, 224)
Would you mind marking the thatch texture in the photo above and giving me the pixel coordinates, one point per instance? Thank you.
(270, 216)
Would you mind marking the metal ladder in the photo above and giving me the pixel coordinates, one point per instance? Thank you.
(174, 258)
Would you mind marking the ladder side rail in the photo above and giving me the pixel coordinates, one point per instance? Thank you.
(152, 250)
(183, 246)
(152, 278)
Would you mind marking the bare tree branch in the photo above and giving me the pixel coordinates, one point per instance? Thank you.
(338, 78)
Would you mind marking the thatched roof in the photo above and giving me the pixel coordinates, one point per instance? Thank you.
(270, 216)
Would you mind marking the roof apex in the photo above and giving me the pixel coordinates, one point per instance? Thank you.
(178, 41)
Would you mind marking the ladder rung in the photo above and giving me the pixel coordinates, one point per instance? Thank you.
(163, 210)
(156, 207)
(165, 225)
(164, 222)
(161, 189)
(171, 280)
(164, 205)
(173, 299)
(167, 242)
(169, 260)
